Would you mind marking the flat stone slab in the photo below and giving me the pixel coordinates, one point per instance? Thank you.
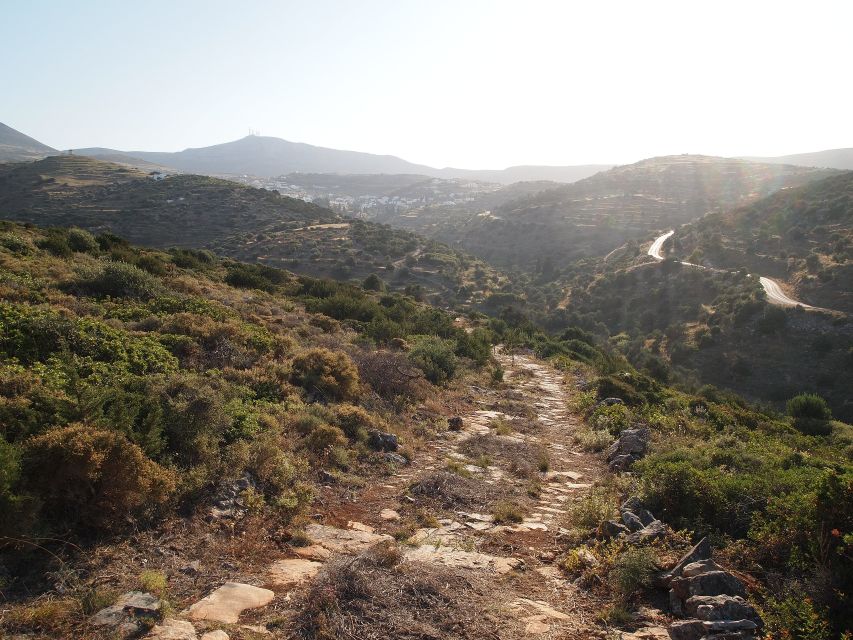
(173, 630)
(313, 552)
(389, 515)
(291, 572)
(543, 608)
(219, 634)
(349, 541)
(535, 625)
(445, 534)
(459, 559)
(229, 601)
(360, 526)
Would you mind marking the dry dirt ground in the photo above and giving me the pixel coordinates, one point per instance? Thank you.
(460, 543)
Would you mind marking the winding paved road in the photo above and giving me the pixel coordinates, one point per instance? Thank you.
(774, 292)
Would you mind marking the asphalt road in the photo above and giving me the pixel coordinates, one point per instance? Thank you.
(774, 292)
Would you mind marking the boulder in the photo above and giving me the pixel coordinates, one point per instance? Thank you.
(227, 602)
(653, 531)
(686, 630)
(702, 551)
(395, 458)
(630, 442)
(228, 502)
(722, 607)
(131, 607)
(728, 626)
(632, 521)
(613, 529)
(219, 634)
(292, 571)
(382, 441)
(454, 423)
(173, 630)
(700, 567)
(676, 603)
(715, 583)
(621, 463)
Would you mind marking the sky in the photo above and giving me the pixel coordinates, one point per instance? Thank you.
(463, 83)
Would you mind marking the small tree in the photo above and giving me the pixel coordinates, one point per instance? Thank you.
(810, 413)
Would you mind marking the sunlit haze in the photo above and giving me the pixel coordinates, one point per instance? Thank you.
(465, 84)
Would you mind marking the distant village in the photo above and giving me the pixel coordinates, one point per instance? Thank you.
(430, 192)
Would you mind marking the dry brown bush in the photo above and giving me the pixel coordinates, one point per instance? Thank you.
(331, 374)
(375, 596)
(392, 376)
(99, 478)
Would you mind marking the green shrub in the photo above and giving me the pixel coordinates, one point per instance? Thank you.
(810, 413)
(82, 241)
(613, 387)
(122, 280)
(796, 617)
(592, 509)
(330, 373)
(56, 243)
(16, 244)
(373, 283)
(324, 438)
(97, 479)
(632, 571)
(506, 511)
(611, 418)
(154, 582)
(435, 357)
(354, 421)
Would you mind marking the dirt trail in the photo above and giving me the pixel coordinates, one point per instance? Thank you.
(518, 557)
(513, 456)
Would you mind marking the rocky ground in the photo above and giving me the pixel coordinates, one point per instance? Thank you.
(463, 541)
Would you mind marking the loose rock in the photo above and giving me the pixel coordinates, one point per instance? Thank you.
(382, 441)
(173, 630)
(227, 602)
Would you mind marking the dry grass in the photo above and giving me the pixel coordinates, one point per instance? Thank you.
(523, 459)
(450, 491)
(375, 596)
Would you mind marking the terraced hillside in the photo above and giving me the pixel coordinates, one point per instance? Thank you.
(593, 216)
(803, 237)
(239, 221)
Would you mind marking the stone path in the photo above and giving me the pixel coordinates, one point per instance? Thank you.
(456, 541)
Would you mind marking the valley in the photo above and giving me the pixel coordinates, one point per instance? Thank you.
(315, 419)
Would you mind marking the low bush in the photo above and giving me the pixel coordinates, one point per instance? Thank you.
(122, 280)
(82, 241)
(331, 374)
(97, 478)
(632, 571)
(434, 356)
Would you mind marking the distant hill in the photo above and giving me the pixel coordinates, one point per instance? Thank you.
(831, 159)
(593, 216)
(257, 225)
(801, 236)
(267, 156)
(17, 147)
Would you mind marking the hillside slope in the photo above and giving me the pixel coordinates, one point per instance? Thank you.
(802, 236)
(593, 216)
(187, 210)
(18, 147)
(267, 156)
(831, 159)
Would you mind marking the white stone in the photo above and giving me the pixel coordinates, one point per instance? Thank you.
(227, 602)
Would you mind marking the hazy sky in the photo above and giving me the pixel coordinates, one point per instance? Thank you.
(447, 83)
